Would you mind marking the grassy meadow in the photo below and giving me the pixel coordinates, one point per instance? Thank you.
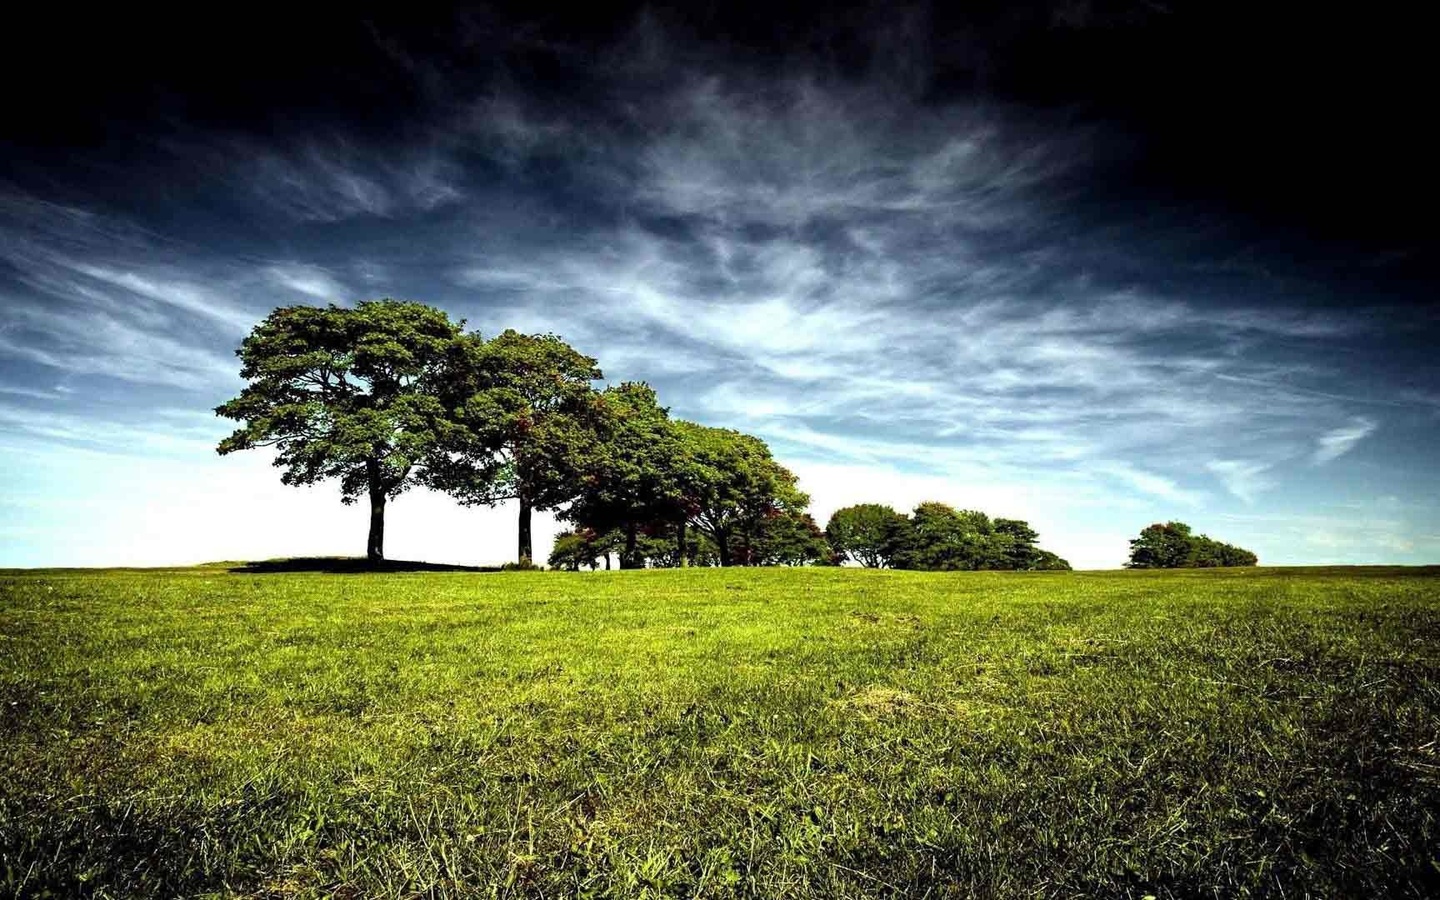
(720, 733)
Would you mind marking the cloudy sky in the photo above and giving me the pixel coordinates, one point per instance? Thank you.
(1090, 264)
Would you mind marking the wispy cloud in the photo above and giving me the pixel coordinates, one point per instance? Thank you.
(313, 282)
(1150, 483)
(91, 294)
(169, 433)
(1245, 480)
(850, 281)
(1336, 443)
(336, 180)
(182, 295)
(89, 343)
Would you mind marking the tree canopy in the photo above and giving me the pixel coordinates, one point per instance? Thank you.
(865, 533)
(732, 485)
(939, 537)
(521, 424)
(790, 538)
(1172, 545)
(635, 476)
(345, 393)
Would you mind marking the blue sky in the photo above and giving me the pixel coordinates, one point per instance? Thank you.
(910, 297)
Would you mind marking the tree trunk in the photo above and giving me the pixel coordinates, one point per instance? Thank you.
(375, 546)
(627, 558)
(525, 549)
(749, 555)
(684, 560)
(722, 547)
(607, 560)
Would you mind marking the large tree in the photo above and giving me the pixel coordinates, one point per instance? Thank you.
(344, 393)
(732, 484)
(521, 423)
(865, 532)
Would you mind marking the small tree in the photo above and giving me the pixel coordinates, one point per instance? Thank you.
(584, 547)
(865, 533)
(1016, 544)
(938, 537)
(943, 538)
(1207, 553)
(344, 393)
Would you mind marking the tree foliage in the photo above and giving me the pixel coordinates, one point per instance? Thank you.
(789, 538)
(521, 424)
(938, 537)
(865, 533)
(1172, 545)
(582, 547)
(345, 393)
(732, 485)
(634, 478)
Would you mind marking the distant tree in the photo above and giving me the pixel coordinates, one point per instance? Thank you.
(345, 393)
(1239, 556)
(657, 545)
(865, 533)
(571, 550)
(1207, 553)
(521, 424)
(1172, 545)
(731, 485)
(938, 537)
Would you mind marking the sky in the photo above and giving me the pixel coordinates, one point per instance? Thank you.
(1093, 265)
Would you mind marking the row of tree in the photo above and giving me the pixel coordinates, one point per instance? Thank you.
(1173, 545)
(935, 537)
(390, 394)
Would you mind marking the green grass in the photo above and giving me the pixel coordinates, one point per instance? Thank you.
(784, 733)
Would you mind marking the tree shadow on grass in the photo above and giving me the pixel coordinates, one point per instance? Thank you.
(347, 565)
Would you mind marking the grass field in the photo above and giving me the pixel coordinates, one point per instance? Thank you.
(715, 733)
